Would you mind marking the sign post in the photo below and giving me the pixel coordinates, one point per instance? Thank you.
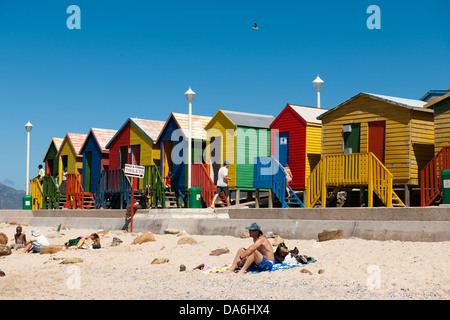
(133, 171)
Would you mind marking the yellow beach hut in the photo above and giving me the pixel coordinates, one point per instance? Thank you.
(376, 142)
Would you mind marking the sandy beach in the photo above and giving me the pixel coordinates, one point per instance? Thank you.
(350, 269)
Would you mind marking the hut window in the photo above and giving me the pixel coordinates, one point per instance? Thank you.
(351, 135)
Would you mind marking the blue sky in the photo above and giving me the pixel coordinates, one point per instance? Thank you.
(137, 58)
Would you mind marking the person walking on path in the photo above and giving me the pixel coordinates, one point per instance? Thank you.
(222, 184)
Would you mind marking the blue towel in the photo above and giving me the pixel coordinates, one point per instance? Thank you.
(282, 266)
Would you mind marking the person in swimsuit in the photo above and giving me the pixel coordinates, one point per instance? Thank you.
(19, 238)
(289, 179)
(258, 257)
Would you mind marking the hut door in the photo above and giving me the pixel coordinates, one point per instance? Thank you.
(284, 148)
(166, 160)
(123, 156)
(87, 177)
(49, 167)
(135, 159)
(377, 131)
(215, 148)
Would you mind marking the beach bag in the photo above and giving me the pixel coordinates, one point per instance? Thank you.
(73, 242)
(282, 251)
(95, 241)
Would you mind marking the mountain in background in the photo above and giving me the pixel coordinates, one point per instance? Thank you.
(10, 198)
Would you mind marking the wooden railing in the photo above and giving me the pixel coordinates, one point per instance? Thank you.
(51, 193)
(431, 177)
(156, 186)
(112, 183)
(350, 170)
(75, 195)
(201, 178)
(269, 174)
(35, 190)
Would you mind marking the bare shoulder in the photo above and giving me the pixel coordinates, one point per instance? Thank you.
(263, 241)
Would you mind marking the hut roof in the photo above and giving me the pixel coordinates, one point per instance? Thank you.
(401, 102)
(76, 141)
(150, 128)
(436, 101)
(102, 136)
(57, 142)
(310, 114)
(249, 119)
(198, 124)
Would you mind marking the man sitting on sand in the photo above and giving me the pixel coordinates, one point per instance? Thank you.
(258, 257)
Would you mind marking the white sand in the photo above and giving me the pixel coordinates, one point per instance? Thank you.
(354, 269)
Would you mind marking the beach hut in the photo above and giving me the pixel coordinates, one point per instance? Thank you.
(434, 94)
(135, 143)
(379, 142)
(296, 140)
(173, 145)
(69, 156)
(431, 184)
(50, 159)
(441, 108)
(71, 160)
(95, 156)
(237, 137)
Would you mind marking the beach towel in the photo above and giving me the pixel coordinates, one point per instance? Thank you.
(276, 267)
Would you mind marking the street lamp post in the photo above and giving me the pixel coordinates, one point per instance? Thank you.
(190, 97)
(28, 127)
(318, 85)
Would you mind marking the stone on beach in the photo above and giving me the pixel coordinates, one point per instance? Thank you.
(17, 223)
(332, 234)
(4, 250)
(3, 238)
(244, 235)
(145, 237)
(306, 271)
(51, 249)
(171, 231)
(187, 240)
(71, 260)
(160, 260)
(115, 242)
(277, 240)
(218, 252)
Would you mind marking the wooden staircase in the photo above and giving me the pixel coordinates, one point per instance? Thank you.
(51, 194)
(431, 178)
(171, 200)
(269, 174)
(76, 198)
(201, 178)
(156, 188)
(342, 171)
(36, 192)
(112, 184)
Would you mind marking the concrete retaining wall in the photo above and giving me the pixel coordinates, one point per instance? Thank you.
(404, 224)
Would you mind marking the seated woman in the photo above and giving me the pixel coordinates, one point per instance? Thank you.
(37, 242)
